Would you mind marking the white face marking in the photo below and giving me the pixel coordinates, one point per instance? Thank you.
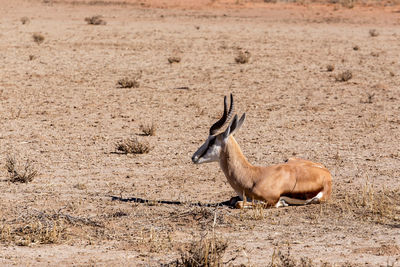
(208, 152)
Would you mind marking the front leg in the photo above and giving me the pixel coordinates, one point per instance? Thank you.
(238, 203)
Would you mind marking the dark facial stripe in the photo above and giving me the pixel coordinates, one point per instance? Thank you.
(210, 144)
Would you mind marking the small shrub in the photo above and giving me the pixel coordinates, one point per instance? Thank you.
(206, 252)
(243, 57)
(330, 67)
(80, 186)
(95, 20)
(32, 57)
(25, 20)
(174, 59)
(20, 174)
(375, 54)
(133, 146)
(33, 232)
(148, 130)
(373, 33)
(281, 259)
(128, 83)
(344, 76)
(38, 38)
(356, 48)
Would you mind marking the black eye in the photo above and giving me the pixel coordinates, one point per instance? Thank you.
(212, 141)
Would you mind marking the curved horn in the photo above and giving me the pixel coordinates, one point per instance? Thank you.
(225, 117)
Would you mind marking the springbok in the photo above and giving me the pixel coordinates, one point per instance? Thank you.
(295, 182)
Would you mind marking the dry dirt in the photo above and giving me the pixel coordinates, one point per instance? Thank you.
(61, 109)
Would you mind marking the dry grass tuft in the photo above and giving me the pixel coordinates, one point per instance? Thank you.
(128, 83)
(18, 173)
(80, 186)
(344, 76)
(38, 38)
(243, 57)
(282, 259)
(380, 206)
(25, 20)
(34, 231)
(373, 33)
(133, 146)
(174, 59)
(148, 129)
(330, 67)
(95, 20)
(206, 252)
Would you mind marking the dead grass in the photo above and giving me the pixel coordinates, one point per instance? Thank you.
(133, 146)
(80, 186)
(330, 67)
(378, 206)
(19, 173)
(38, 38)
(148, 129)
(284, 259)
(373, 33)
(243, 57)
(32, 231)
(95, 20)
(25, 20)
(174, 59)
(128, 83)
(344, 76)
(206, 252)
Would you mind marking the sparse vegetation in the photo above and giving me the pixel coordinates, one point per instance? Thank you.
(356, 48)
(95, 20)
(243, 57)
(206, 252)
(32, 57)
(128, 83)
(38, 38)
(373, 33)
(330, 67)
(133, 146)
(174, 59)
(32, 230)
(80, 186)
(148, 129)
(344, 76)
(285, 259)
(17, 173)
(25, 20)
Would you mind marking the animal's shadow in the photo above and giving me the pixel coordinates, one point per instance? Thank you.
(168, 202)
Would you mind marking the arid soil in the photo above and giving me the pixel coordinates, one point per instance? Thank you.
(63, 113)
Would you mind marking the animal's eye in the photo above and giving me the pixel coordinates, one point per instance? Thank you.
(212, 141)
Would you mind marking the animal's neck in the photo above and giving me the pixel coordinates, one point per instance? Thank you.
(239, 172)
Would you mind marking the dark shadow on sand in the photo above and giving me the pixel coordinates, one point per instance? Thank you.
(168, 202)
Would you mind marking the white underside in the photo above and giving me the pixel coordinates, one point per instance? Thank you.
(286, 201)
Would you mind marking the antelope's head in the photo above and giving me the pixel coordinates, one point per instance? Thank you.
(211, 149)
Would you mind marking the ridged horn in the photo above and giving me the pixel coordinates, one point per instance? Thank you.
(225, 117)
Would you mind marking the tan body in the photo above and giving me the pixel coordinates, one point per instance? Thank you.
(297, 179)
(296, 182)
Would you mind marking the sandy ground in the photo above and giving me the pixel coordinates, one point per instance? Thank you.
(61, 109)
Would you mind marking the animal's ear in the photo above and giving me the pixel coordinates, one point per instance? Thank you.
(240, 123)
(232, 125)
(235, 125)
